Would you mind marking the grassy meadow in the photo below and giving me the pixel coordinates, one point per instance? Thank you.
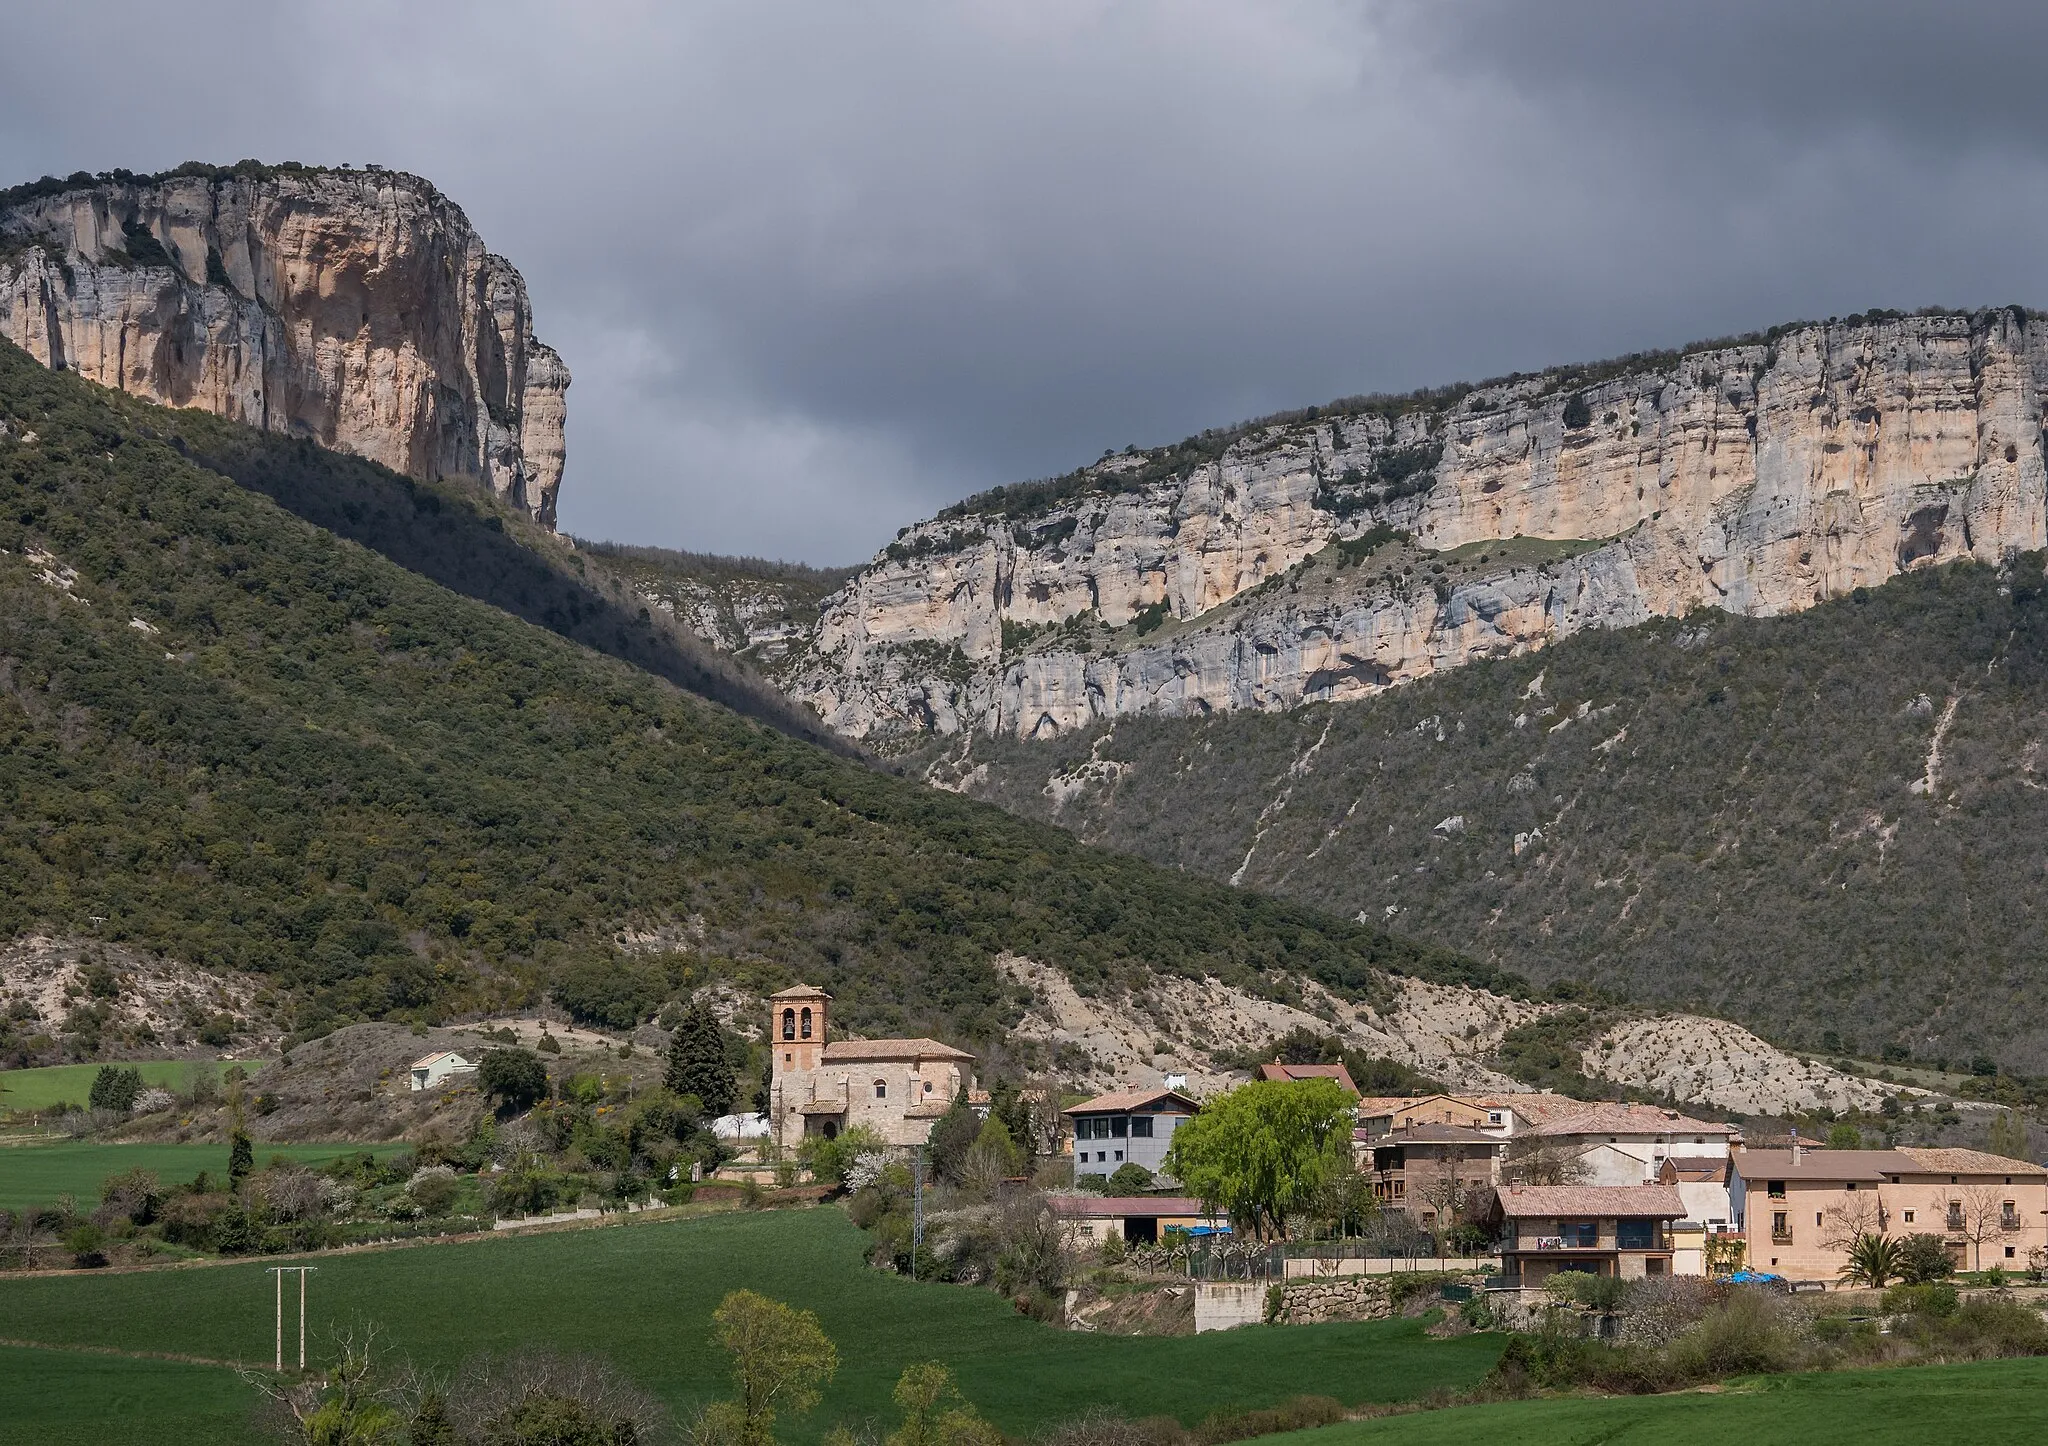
(71, 1084)
(37, 1173)
(642, 1294)
(1986, 1403)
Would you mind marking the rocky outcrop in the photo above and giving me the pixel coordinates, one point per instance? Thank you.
(356, 308)
(1329, 554)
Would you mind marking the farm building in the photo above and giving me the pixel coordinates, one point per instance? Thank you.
(1092, 1219)
(438, 1068)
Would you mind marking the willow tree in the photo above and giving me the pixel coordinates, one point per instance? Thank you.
(1265, 1151)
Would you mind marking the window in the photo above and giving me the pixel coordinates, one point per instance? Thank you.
(1635, 1234)
(789, 1059)
(1955, 1215)
(881, 1089)
(2009, 1252)
(1775, 1189)
(789, 1024)
(1816, 1220)
(807, 1024)
(1119, 1154)
(1493, 1117)
(1141, 1128)
(1909, 1217)
(1087, 1232)
(1579, 1234)
(1118, 1127)
(2009, 1216)
(1781, 1228)
(927, 1086)
(1850, 1186)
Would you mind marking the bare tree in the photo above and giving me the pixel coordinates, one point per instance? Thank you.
(347, 1402)
(1854, 1217)
(1539, 1160)
(1984, 1218)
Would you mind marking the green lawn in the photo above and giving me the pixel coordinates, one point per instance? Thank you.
(1984, 1404)
(642, 1294)
(69, 1398)
(36, 1174)
(39, 1089)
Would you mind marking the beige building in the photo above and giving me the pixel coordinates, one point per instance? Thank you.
(1622, 1230)
(1801, 1209)
(818, 1086)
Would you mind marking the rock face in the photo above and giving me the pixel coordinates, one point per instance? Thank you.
(356, 308)
(1325, 555)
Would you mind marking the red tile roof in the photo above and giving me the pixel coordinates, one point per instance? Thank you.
(1097, 1207)
(1130, 1100)
(1616, 1119)
(1291, 1072)
(1590, 1201)
(1969, 1162)
(857, 1051)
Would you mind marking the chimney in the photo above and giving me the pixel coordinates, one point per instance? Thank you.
(1797, 1153)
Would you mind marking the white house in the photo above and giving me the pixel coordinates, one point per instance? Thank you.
(438, 1068)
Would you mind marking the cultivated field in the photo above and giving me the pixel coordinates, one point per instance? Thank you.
(1986, 1403)
(37, 1173)
(643, 1294)
(71, 1084)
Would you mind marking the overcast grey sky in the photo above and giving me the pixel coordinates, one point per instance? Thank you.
(819, 269)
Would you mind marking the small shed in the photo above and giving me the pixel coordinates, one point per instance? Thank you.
(438, 1068)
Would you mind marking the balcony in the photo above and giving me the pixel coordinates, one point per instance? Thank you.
(1781, 1237)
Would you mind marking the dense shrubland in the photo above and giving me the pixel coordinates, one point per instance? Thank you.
(249, 744)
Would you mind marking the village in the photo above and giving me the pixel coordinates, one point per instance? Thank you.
(1517, 1187)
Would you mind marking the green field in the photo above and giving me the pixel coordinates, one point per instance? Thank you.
(70, 1398)
(71, 1084)
(36, 1174)
(642, 1294)
(1985, 1404)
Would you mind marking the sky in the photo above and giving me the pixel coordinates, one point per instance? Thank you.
(819, 269)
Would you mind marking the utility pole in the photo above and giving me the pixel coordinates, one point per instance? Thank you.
(916, 1206)
(303, 1271)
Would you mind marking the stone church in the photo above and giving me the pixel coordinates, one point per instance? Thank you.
(819, 1086)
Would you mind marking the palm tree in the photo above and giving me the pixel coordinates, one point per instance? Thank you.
(1873, 1261)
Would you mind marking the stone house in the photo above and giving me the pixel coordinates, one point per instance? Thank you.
(819, 1086)
(1127, 1127)
(1801, 1209)
(1434, 1172)
(1620, 1230)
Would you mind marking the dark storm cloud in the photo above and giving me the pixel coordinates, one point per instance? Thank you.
(820, 269)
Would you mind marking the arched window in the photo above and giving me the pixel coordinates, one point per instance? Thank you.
(807, 1024)
(881, 1089)
(789, 1023)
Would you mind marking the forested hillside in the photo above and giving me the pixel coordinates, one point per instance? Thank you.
(1829, 826)
(232, 736)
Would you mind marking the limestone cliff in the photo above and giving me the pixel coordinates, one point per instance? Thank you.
(1334, 552)
(356, 308)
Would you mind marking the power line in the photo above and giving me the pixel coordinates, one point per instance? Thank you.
(279, 1271)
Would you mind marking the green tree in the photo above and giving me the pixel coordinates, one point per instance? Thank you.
(781, 1358)
(514, 1077)
(1873, 1261)
(1130, 1178)
(241, 1158)
(1923, 1258)
(115, 1088)
(698, 1063)
(951, 1138)
(1265, 1150)
(1845, 1136)
(2009, 1136)
(935, 1413)
(992, 1158)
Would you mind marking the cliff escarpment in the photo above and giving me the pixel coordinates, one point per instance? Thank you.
(1328, 554)
(358, 309)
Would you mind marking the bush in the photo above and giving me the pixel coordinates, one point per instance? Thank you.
(1923, 1258)
(829, 1160)
(1747, 1334)
(1938, 1300)
(87, 1244)
(115, 1088)
(1130, 1179)
(514, 1077)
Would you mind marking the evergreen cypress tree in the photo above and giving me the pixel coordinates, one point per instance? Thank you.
(697, 1061)
(241, 1158)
